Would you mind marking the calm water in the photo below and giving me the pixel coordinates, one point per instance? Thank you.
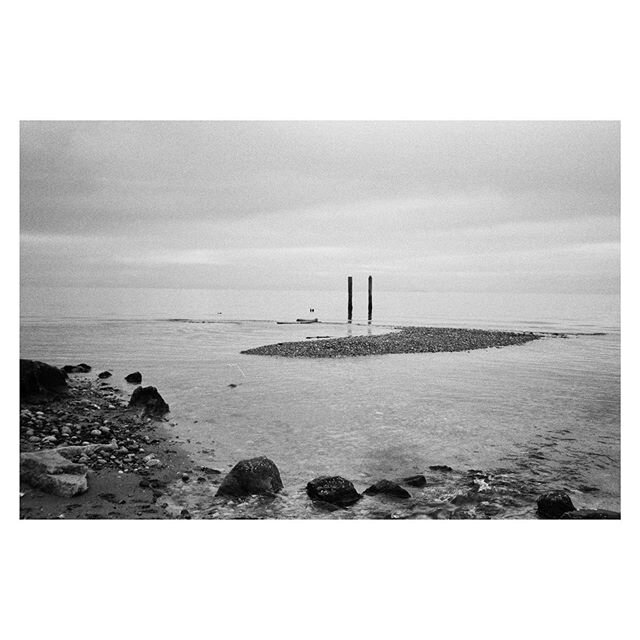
(532, 417)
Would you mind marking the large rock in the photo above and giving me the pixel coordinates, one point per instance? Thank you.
(134, 378)
(51, 472)
(249, 477)
(149, 400)
(554, 504)
(40, 378)
(334, 490)
(104, 374)
(591, 514)
(388, 488)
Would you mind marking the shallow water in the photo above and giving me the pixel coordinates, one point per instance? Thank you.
(532, 417)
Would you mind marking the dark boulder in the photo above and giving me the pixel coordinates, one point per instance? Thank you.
(104, 374)
(415, 481)
(591, 514)
(40, 378)
(249, 477)
(388, 488)
(333, 489)
(553, 504)
(76, 368)
(134, 378)
(150, 400)
(440, 467)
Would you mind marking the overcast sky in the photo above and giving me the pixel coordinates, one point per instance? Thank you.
(432, 206)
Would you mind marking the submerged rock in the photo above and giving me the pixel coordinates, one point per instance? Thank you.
(134, 378)
(554, 504)
(387, 487)
(591, 514)
(333, 489)
(415, 481)
(249, 477)
(76, 368)
(440, 467)
(150, 400)
(38, 377)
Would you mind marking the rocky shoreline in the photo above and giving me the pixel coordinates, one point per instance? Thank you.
(402, 340)
(86, 452)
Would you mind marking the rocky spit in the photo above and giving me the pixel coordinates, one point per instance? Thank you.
(402, 340)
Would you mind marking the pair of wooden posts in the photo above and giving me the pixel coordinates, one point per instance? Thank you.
(350, 300)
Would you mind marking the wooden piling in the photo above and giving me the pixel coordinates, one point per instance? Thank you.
(350, 299)
(370, 308)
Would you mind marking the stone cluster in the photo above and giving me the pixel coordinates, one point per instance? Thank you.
(88, 415)
(404, 340)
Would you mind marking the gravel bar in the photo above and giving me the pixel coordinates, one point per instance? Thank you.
(402, 340)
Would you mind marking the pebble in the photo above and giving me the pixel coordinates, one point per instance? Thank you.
(96, 432)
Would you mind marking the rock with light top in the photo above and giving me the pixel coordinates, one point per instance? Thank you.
(52, 472)
(152, 461)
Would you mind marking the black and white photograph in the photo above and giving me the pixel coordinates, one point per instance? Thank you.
(395, 319)
(313, 320)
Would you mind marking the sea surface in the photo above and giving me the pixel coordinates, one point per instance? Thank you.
(510, 422)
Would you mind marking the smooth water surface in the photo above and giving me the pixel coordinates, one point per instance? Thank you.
(532, 417)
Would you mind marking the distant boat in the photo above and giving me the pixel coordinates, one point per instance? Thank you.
(300, 321)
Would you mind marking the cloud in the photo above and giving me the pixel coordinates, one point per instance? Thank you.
(285, 205)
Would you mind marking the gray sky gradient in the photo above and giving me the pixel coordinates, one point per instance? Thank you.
(434, 206)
